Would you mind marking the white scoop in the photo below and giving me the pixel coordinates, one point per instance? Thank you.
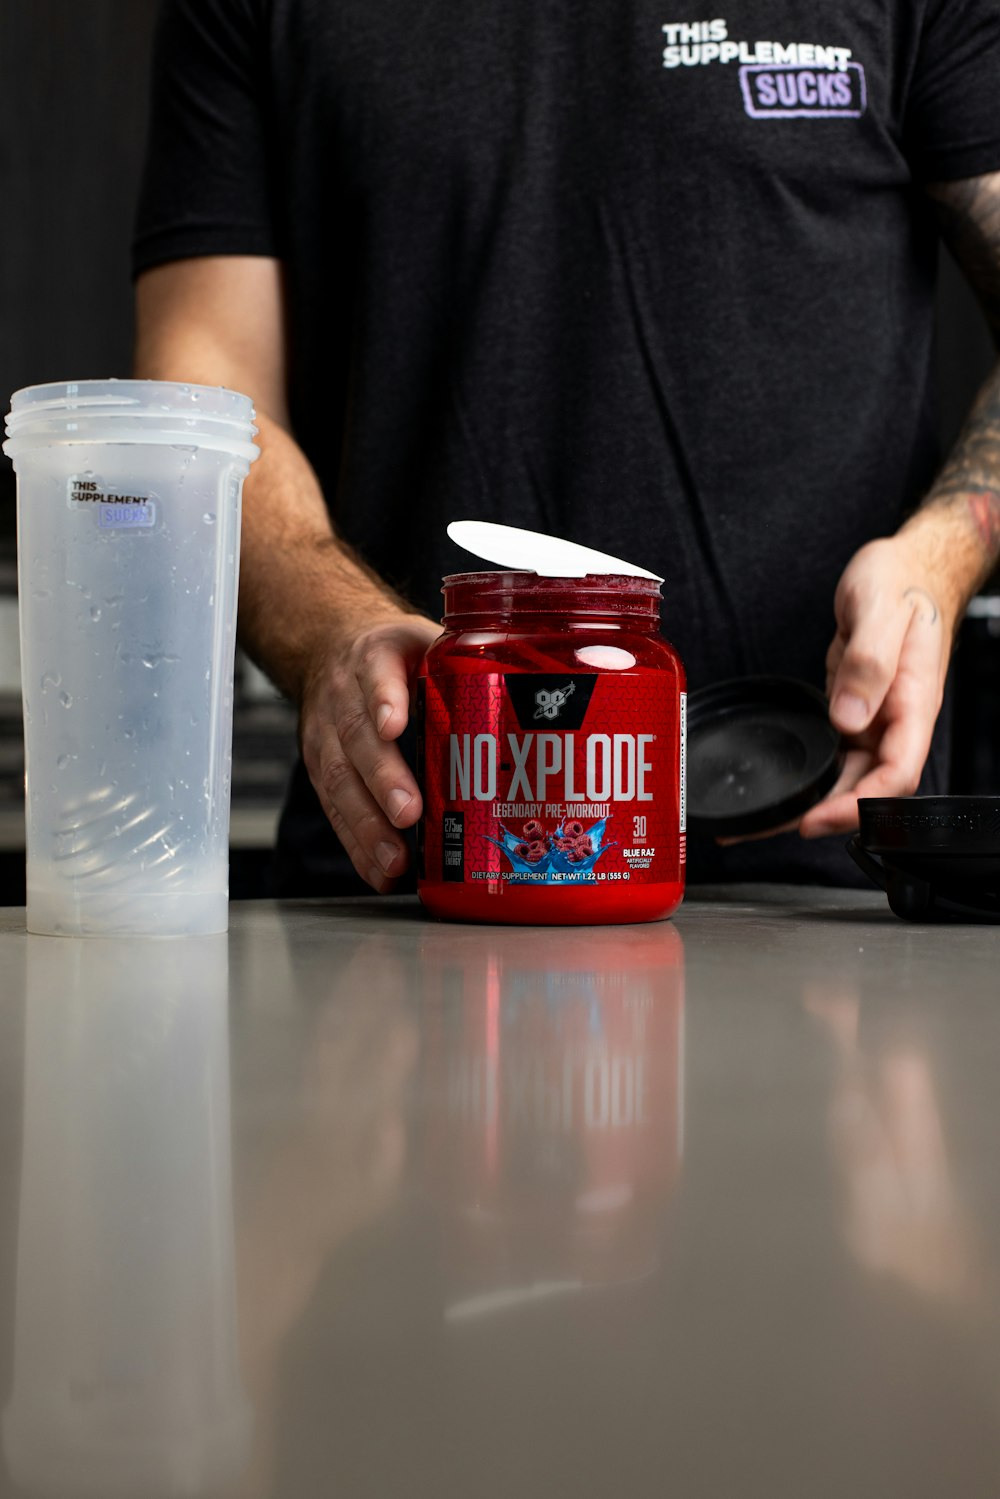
(534, 552)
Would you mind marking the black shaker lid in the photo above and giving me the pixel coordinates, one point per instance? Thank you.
(761, 751)
(936, 857)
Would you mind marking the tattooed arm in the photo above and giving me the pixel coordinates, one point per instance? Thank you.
(901, 599)
(968, 489)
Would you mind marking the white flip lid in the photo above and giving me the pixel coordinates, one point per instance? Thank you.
(534, 552)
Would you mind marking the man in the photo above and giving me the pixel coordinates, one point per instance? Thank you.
(659, 284)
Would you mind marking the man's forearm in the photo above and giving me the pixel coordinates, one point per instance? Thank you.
(300, 586)
(958, 525)
(329, 632)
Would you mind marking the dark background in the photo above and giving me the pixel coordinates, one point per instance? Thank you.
(73, 87)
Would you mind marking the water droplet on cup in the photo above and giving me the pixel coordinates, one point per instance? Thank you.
(130, 733)
(51, 679)
(95, 614)
(62, 762)
(209, 517)
(65, 699)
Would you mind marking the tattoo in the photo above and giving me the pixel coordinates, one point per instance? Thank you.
(972, 473)
(923, 594)
(970, 480)
(968, 215)
(984, 508)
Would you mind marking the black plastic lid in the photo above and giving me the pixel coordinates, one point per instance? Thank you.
(761, 751)
(936, 857)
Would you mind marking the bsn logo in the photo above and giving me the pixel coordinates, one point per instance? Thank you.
(550, 704)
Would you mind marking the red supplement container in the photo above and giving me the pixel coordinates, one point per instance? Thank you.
(551, 719)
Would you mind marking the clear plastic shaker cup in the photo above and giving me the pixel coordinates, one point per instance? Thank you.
(128, 501)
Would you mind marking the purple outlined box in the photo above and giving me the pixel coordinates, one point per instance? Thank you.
(141, 517)
(790, 91)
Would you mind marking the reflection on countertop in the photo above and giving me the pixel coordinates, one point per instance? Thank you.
(125, 1373)
(705, 1207)
(554, 1129)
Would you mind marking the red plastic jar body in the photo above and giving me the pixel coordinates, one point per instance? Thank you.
(551, 739)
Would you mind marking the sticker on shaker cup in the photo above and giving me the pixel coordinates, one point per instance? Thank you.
(111, 517)
(114, 511)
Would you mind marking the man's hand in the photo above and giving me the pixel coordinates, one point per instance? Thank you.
(886, 669)
(355, 704)
(900, 600)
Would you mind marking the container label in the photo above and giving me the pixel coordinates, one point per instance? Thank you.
(684, 743)
(551, 780)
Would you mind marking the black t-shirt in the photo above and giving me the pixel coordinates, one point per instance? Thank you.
(662, 286)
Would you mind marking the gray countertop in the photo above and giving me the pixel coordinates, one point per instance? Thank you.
(354, 1204)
